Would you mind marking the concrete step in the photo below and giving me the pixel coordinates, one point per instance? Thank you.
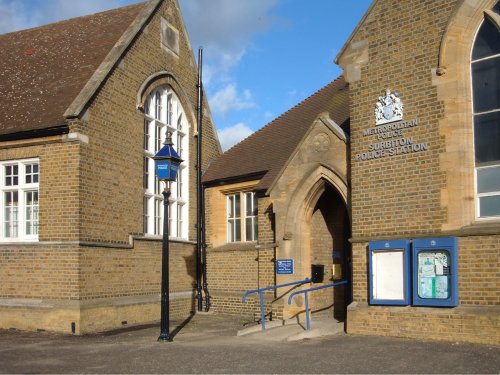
(294, 330)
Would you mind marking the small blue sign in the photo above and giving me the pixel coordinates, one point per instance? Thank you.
(284, 266)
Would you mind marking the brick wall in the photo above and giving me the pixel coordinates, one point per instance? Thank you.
(234, 268)
(106, 273)
(399, 194)
(39, 271)
(427, 193)
(115, 129)
(91, 194)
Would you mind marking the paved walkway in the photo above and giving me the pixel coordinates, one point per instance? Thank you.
(208, 344)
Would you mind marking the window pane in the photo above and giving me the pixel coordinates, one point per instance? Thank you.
(179, 220)
(237, 231)
(179, 184)
(486, 84)
(11, 213)
(179, 121)
(158, 189)
(169, 110)
(158, 106)
(157, 138)
(145, 182)
(248, 204)
(145, 213)
(255, 205)
(496, 8)
(487, 137)
(237, 210)
(255, 229)
(230, 206)
(146, 134)
(179, 144)
(248, 229)
(31, 173)
(170, 216)
(489, 206)
(31, 219)
(11, 175)
(230, 230)
(157, 217)
(487, 41)
(488, 180)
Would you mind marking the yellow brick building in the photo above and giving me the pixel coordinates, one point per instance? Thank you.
(85, 105)
(403, 148)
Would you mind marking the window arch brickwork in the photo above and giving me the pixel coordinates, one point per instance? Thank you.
(164, 112)
(485, 72)
(453, 82)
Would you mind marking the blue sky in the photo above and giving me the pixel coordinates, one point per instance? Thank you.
(261, 57)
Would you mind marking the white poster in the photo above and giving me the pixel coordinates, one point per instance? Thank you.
(388, 274)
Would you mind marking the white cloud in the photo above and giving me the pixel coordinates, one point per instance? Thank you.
(226, 24)
(232, 135)
(225, 29)
(228, 99)
(268, 115)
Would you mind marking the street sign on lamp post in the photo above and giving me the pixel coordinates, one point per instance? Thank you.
(167, 163)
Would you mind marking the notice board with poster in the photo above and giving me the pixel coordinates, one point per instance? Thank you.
(389, 272)
(435, 271)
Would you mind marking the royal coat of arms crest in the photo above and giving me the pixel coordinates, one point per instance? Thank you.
(389, 108)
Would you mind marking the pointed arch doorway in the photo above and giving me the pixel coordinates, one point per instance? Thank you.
(314, 224)
(327, 231)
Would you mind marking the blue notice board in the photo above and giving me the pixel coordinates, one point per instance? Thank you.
(435, 271)
(389, 272)
(284, 266)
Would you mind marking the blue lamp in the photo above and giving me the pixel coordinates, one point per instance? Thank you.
(167, 161)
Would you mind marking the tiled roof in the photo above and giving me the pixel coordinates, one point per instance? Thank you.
(266, 151)
(42, 70)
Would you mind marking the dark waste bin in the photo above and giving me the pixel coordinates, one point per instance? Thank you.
(317, 273)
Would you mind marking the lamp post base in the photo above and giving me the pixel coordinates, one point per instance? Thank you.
(164, 337)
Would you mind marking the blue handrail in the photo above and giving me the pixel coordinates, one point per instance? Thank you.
(306, 291)
(261, 296)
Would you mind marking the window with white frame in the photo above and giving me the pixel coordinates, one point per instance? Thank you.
(242, 217)
(19, 200)
(485, 70)
(163, 112)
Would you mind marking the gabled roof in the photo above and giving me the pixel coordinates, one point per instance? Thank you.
(43, 70)
(265, 152)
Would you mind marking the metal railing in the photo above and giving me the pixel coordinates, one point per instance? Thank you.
(306, 291)
(261, 296)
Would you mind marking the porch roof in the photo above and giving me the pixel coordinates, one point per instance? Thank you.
(266, 151)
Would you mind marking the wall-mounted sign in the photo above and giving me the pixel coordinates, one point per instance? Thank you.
(389, 108)
(389, 131)
(435, 271)
(389, 272)
(284, 266)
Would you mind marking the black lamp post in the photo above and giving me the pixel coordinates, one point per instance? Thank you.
(167, 163)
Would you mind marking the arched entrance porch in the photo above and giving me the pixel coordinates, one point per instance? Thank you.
(314, 225)
(328, 228)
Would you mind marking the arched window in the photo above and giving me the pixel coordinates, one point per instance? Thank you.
(485, 70)
(163, 111)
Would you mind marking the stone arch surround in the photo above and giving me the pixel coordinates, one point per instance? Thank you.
(293, 214)
(452, 79)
